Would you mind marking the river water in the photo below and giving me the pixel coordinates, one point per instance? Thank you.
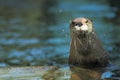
(36, 32)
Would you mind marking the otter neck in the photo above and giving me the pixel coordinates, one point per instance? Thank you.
(81, 41)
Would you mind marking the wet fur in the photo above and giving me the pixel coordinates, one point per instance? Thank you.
(86, 50)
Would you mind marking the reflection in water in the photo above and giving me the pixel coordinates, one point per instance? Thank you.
(33, 32)
(110, 73)
(85, 74)
(57, 74)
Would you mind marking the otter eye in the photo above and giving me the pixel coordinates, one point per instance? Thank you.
(76, 24)
(86, 21)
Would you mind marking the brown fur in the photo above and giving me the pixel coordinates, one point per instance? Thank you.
(86, 49)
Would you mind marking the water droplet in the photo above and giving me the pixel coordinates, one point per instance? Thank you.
(60, 10)
(63, 30)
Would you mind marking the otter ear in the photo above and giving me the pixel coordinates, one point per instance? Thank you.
(88, 19)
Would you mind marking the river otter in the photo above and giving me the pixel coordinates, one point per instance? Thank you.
(85, 49)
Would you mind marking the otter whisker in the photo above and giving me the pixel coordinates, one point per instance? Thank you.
(85, 48)
(75, 45)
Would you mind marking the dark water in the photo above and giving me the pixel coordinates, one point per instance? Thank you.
(36, 32)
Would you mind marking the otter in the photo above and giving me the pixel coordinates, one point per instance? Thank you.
(86, 49)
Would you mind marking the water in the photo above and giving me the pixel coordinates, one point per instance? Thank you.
(36, 32)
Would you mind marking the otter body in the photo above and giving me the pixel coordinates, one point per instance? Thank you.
(85, 48)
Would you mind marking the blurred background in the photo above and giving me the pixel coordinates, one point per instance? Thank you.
(36, 32)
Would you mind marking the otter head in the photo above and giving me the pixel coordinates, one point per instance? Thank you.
(81, 26)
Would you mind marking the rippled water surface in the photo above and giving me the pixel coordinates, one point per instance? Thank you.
(36, 32)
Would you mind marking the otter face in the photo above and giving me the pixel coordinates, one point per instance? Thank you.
(80, 25)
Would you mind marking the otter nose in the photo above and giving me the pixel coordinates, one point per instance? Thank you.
(79, 24)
